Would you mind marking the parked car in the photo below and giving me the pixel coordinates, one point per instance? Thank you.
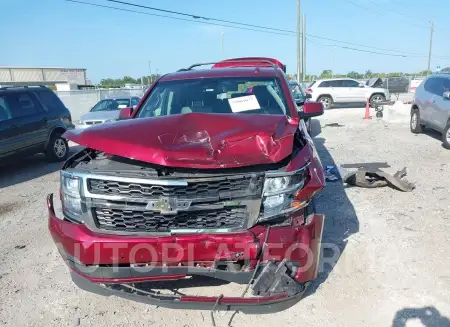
(431, 106)
(396, 84)
(200, 179)
(346, 90)
(300, 98)
(106, 111)
(32, 120)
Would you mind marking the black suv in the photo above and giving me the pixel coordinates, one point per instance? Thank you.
(32, 120)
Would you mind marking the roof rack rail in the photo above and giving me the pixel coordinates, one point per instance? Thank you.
(20, 86)
(239, 63)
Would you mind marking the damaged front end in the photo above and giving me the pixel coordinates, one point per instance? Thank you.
(192, 204)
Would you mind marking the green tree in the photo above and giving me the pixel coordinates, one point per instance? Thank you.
(368, 73)
(355, 75)
(327, 73)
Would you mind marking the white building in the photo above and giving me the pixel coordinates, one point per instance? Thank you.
(49, 76)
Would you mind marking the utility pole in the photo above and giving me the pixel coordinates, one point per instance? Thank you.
(221, 45)
(431, 44)
(304, 48)
(299, 67)
(150, 76)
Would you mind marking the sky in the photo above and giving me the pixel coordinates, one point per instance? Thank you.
(112, 44)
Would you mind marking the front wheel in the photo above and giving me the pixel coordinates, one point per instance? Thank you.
(446, 137)
(57, 148)
(326, 101)
(374, 99)
(416, 128)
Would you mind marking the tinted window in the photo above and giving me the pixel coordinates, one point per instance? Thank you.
(336, 83)
(437, 85)
(5, 109)
(325, 84)
(23, 105)
(349, 83)
(242, 95)
(297, 92)
(49, 100)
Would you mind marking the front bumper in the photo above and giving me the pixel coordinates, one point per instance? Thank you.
(107, 264)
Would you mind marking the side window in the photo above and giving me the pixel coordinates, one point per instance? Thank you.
(324, 84)
(24, 105)
(350, 83)
(5, 109)
(440, 86)
(336, 83)
(428, 86)
(49, 100)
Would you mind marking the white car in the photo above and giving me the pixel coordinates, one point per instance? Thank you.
(347, 90)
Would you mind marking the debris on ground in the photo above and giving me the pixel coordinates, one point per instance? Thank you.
(371, 178)
(333, 125)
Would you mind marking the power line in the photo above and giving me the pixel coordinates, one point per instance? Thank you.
(198, 16)
(176, 18)
(257, 28)
(382, 14)
(354, 49)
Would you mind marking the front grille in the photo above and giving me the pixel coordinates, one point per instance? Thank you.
(225, 187)
(149, 221)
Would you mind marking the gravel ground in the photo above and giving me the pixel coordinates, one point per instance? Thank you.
(393, 269)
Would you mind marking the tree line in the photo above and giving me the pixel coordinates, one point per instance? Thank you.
(120, 82)
(328, 73)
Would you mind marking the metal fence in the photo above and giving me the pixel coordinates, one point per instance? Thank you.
(81, 101)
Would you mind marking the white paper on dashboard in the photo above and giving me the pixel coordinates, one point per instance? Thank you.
(248, 102)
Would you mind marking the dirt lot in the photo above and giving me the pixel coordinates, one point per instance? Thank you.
(394, 269)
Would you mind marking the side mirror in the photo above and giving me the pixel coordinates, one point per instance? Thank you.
(311, 109)
(125, 113)
(308, 95)
(446, 95)
(361, 85)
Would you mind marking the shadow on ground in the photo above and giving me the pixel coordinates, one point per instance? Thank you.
(23, 170)
(428, 316)
(341, 220)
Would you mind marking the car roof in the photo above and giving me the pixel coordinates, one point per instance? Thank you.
(25, 89)
(223, 72)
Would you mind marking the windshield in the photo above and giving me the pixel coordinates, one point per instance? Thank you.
(297, 92)
(243, 95)
(111, 104)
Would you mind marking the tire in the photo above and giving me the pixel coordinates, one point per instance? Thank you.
(326, 101)
(446, 137)
(376, 98)
(414, 124)
(57, 149)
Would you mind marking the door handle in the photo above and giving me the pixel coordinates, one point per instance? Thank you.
(434, 101)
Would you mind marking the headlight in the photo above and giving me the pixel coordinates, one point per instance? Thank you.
(70, 196)
(280, 192)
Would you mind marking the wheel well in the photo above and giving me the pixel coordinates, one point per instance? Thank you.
(377, 93)
(325, 95)
(57, 130)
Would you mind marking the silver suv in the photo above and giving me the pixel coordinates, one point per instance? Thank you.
(347, 90)
(431, 106)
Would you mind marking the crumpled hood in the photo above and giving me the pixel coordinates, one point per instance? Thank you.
(374, 82)
(195, 140)
(100, 115)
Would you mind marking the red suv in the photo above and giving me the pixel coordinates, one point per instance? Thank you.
(203, 178)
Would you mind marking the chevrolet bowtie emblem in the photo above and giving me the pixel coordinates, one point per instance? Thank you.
(167, 205)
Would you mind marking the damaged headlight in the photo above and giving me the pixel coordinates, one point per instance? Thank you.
(280, 191)
(70, 196)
